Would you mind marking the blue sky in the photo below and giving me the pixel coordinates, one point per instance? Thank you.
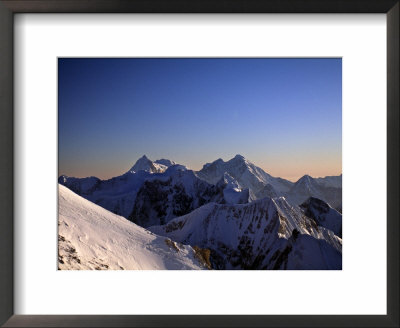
(284, 115)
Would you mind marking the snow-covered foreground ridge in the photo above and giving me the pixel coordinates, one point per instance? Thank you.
(91, 237)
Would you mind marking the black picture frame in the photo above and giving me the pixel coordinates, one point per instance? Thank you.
(10, 7)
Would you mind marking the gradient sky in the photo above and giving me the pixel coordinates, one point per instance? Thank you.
(284, 115)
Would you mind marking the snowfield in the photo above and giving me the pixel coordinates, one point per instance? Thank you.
(91, 237)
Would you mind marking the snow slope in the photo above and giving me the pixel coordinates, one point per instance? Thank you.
(91, 237)
(264, 234)
(117, 194)
(323, 214)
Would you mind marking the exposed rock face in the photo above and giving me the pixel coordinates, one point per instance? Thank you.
(160, 200)
(179, 192)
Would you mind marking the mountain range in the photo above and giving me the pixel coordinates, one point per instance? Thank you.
(234, 181)
(244, 217)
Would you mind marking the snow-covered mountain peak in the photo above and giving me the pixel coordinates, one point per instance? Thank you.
(306, 185)
(165, 162)
(305, 180)
(141, 164)
(239, 160)
(239, 157)
(221, 166)
(328, 189)
(174, 168)
(248, 175)
(213, 164)
(328, 181)
(145, 164)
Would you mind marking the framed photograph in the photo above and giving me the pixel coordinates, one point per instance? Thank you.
(198, 211)
(191, 164)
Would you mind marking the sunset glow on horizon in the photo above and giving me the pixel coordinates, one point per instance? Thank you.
(283, 115)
